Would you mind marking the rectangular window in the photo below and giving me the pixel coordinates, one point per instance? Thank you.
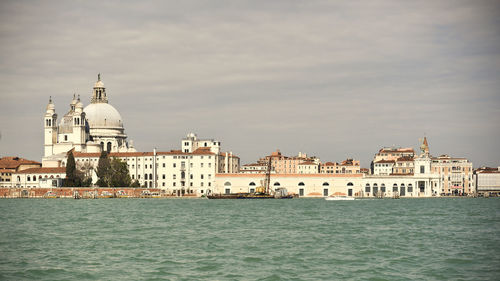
(228, 190)
(201, 176)
(422, 169)
(163, 176)
(325, 192)
(163, 165)
(174, 165)
(301, 192)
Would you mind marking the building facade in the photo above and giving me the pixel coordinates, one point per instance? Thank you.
(97, 127)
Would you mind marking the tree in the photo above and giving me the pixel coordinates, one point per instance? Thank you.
(103, 170)
(119, 173)
(135, 183)
(72, 178)
(85, 170)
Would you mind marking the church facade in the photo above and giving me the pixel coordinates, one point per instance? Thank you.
(90, 129)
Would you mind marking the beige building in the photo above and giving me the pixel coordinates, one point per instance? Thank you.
(348, 166)
(282, 164)
(456, 174)
(403, 166)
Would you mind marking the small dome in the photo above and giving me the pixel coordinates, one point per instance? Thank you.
(51, 108)
(103, 115)
(99, 84)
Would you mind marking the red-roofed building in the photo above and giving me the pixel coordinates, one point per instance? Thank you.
(348, 166)
(10, 165)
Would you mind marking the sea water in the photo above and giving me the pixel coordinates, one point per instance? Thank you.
(298, 239)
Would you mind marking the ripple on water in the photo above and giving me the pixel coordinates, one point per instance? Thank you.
(301, 239)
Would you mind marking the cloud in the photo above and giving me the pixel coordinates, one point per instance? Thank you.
(335, 79)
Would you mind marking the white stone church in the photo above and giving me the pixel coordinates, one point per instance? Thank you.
(97, 127)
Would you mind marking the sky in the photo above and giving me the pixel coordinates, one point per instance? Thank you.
(333, 79)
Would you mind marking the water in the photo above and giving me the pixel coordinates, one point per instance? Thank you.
(299, 239)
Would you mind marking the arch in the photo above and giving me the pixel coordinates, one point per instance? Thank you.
(150, 176)
(251, 184)
(375, 189)
(276, 184)
(102, 145)
(402, 189)
(395, 187)
(367, 187)
(350, 184)
(29, 178)
(410, 187)
(326, 184)
(18, 178)
(300, 184)
(227, 183)
(382, 187)
(109, 146)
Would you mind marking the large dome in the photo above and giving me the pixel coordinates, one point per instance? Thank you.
(103, 115)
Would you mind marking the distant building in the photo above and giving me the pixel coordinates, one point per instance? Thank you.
(348, 166)
(308, 167)
(10, 165)
(390, 154)
(487, 181)
(176, 171)
(254, 168)
(383, 167)
(456, 174)
(282, 164)
(403, 166)
(97, 127)
(39, 177)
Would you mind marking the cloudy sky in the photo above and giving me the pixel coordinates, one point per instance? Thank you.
(332, 79)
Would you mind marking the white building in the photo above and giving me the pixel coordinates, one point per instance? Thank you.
(487, 181)
(97, 127)
(383, 167)
(176, 172)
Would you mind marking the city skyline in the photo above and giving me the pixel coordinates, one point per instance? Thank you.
(330, 80)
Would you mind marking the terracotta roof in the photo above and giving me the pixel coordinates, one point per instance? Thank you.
(12, 162)
(44, 170)
(403, 159)
(329, 164)
(255, 164)
(385, 161)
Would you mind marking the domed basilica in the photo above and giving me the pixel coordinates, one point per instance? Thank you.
(97, 127)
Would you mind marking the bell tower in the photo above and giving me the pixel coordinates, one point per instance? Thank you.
(99, 92)
(50, 128)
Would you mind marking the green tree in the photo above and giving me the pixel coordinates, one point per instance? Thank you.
(103, 170)
(71, 171)
(119, 173)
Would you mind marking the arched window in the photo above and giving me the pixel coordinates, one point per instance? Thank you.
(375, 189)
(382, 187)
(150, 176)
(227, 183)
(109, 146)
(350, 184)
(300, 184)
(276, 184)
(326, 184)
(410, 188)
(18, 178)
(102, 145)
(395, 187)
(402, 189)
(367, 187)
(252, 184)
(29, 178)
